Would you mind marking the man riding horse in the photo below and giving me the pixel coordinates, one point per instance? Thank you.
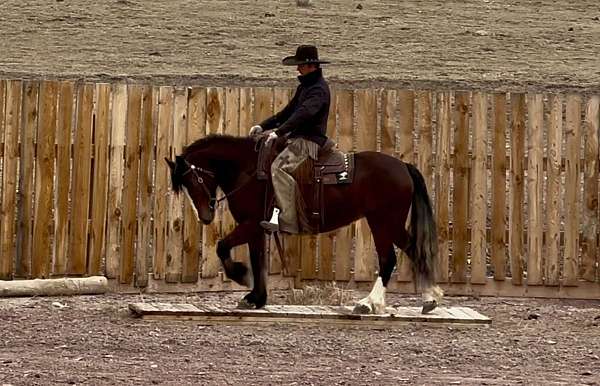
(304, 122)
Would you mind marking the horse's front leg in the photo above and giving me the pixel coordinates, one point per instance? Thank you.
(235, 270)
(257, 298)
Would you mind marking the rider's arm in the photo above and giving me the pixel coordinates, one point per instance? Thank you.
(282, 116)
(312, 104)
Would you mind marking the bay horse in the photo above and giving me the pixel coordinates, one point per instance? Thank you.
(384, 189)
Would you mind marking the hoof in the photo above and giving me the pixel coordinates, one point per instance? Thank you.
(245, 304)
(361, 309)
(429, 306)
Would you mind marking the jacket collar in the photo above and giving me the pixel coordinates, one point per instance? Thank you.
(311, 78)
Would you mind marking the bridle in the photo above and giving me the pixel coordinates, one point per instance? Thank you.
(212, 201)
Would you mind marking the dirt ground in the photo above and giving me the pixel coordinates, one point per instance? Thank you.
(474, 43)
(93, 340)
(550, 45)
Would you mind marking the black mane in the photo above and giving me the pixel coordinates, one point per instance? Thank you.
(215, 139)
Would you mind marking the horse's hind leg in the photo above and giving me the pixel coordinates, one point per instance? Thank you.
(383, 237)
(431, 294)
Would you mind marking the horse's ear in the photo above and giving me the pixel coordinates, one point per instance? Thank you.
(170, 163)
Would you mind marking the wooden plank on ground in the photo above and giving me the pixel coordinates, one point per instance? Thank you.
(535, 184)
(344, 237)
(326, 242)
(130, 183)
(215, 118)
(14, 90)
(97, 239)
(589, 257)
(63, 176)
(192, 228)
(572, 189)
(478, 190)
(144, 228)
(80, 197)
(26, 183)
(460, 208)
(442, 185)
(517, 185)
(365, 261)
(44, 181)
(406, 153)
(175, 209)
(115, 187)
(162, 181)
(319, 315)
(553, 191)
(498, 232)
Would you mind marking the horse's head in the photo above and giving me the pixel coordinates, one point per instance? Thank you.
(198, 182)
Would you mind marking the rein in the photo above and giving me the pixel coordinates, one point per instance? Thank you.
(213, 201)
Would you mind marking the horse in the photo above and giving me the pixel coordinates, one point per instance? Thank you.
(384, 190)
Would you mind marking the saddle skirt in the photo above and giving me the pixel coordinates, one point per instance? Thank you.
(332, 167)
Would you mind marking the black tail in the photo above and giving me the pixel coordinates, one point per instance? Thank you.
(423, 246)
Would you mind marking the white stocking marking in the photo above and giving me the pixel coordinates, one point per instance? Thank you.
(376, 299)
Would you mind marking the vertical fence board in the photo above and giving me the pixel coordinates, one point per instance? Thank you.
(442, 184)
(246, 122)
(535, 181)
(161, 180)
(97, 238)
(572, 188)
(343, 238)
(553, 192)
(425, 153)
(327, 240)
(498, 232)
(461, 188)
(14, 90)
(232, 127)
(80, 198)
(192, 229)
(517, 195)
(25, 204)
(44, 181)
(478, 189)
(144, 229)
(406, 152)
(175, 210)
(280, 99)
(365, 261)
(130, 184)
(115, 189)
(590, 209)
(3, 263)
(211, 233)
(63, 176)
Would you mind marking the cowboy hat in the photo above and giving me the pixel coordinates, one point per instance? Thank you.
(304, 55)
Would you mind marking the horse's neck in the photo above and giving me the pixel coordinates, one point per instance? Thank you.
(232, 162)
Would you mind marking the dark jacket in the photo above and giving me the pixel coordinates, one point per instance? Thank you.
(306, 114)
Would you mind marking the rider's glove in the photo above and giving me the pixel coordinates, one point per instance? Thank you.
(256, 129)
(272, 136)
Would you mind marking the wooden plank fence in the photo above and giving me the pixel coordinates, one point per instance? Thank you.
(513, 178)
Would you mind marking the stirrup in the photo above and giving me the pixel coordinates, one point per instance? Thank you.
(272, 225)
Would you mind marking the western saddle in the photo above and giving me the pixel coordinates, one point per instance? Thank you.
(331, 168)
